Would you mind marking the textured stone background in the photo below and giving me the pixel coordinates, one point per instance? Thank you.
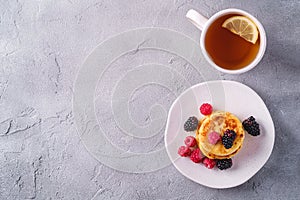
(42, 46)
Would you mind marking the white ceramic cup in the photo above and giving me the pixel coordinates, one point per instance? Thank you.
(203, 24)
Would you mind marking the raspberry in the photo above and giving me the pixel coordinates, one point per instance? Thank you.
(228, 138)
(184, 151)
(251, 126)
(214, 137)
(224, 164)
(209, 163)
(206, 109)
(196, 156)
(190, 141)
(191, 124)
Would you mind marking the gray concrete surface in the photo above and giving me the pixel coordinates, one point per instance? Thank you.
(44, 43)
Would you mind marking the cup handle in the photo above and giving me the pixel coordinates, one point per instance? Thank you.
(196, 18)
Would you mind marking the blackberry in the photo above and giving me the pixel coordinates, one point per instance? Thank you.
(224, 163)
(228, 138)
(191, 124)
(251, 126)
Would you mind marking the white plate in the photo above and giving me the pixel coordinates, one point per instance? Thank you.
(230, 96)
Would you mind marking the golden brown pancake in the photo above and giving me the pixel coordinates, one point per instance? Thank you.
(212, 156)
(219, 122)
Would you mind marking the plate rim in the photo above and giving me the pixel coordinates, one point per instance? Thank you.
(211, 82)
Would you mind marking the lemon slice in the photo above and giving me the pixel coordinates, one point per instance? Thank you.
(243, 27)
